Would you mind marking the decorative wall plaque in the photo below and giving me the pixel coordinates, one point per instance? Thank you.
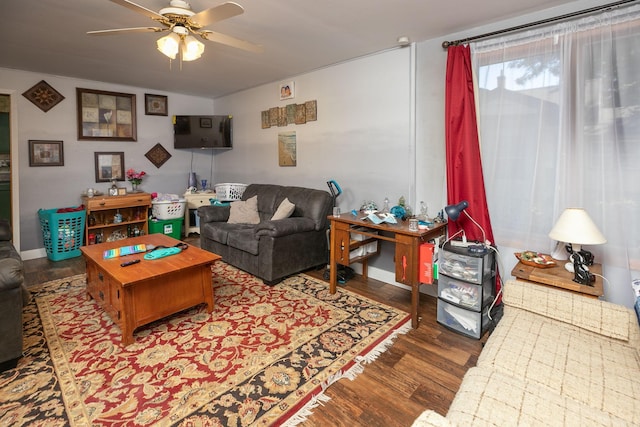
(43, 96)
(298, 114)
(158, 155)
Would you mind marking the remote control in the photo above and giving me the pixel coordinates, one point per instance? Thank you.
(128, 263)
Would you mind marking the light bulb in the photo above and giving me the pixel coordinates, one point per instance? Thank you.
(169, 45)
(191, 49)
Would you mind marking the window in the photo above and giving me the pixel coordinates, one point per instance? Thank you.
(559, 117)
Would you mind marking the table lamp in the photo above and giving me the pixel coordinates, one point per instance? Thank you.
(576, 228)
(454, 211)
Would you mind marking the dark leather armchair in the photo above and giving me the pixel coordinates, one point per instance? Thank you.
(13, 297)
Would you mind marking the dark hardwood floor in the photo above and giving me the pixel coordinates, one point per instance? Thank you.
(422, 370)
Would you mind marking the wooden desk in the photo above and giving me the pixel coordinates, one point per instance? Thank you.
(558, 277)
(407, 244)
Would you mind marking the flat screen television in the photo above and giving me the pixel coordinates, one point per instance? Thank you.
(203, 132)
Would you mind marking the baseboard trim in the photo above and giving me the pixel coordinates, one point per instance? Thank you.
(390, 277)
(33, 254)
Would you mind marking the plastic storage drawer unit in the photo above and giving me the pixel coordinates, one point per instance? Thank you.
(466, 322)
(465, 294)
(461, 264)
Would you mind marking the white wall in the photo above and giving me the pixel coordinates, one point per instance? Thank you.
(55, 187)
(362, 137)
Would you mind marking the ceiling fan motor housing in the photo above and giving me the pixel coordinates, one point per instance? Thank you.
(182, 24)
(177, 8)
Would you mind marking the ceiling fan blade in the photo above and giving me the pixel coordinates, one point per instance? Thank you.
(230, 41)
(140, 9)
(215, 14)
(127, 30)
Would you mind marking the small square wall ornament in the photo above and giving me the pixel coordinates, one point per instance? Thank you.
(158, 155)
(43, 96)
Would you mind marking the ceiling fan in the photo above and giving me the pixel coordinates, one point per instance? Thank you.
(182, 23)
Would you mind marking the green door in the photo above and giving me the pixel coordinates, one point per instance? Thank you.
(5, 136)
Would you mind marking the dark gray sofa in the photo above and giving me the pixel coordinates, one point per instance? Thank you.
(271, 250)
(13, 296)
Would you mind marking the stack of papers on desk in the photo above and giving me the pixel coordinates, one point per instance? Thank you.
(380, 218)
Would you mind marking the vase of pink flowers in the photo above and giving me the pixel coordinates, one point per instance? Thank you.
(135, 178)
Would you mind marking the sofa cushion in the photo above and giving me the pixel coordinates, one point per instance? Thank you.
(219, 231)
(245, 240)
(285, 210)
(269, 198)
(244, 212)
(491, 398)
(583, 366)
(594, 315)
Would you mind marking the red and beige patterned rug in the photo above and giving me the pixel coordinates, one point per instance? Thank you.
(263, 357)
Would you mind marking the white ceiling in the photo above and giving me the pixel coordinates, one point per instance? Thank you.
(298, 36)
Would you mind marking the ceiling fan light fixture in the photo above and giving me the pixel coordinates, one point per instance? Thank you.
(191, 49)
(169, 45)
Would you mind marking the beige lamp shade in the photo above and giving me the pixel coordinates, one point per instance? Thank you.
(576, 227)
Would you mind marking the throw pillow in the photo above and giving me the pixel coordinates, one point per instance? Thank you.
(285, 210)
(244, 212)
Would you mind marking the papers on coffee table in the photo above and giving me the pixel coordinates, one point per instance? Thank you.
(124, 250)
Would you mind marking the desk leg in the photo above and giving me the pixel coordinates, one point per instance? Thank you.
(407, 263)
(415, 298)
(333, 265)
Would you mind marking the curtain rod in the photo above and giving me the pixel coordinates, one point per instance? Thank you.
(446, 44)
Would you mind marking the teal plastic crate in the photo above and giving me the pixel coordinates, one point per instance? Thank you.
(63, 233)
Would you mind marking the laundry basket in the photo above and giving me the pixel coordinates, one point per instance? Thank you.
(168, 209)
(228, 191)
(62, 232)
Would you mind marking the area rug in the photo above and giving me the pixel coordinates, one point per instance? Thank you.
(263, 357)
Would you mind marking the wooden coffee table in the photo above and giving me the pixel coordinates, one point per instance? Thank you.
(152, 289)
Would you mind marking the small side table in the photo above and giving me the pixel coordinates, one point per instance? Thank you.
(558, 277)
(194, 201)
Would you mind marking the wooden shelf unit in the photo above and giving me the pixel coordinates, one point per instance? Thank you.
(133, 207)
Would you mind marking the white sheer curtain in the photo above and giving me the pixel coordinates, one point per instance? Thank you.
(559, 117)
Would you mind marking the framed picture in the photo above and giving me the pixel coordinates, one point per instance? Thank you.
(113, 191)
(122, 191)
(109, 166)
(155, 105)
(109, 116)
(287, 149)
(287, 91)
(46, 153)
(206, 122)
